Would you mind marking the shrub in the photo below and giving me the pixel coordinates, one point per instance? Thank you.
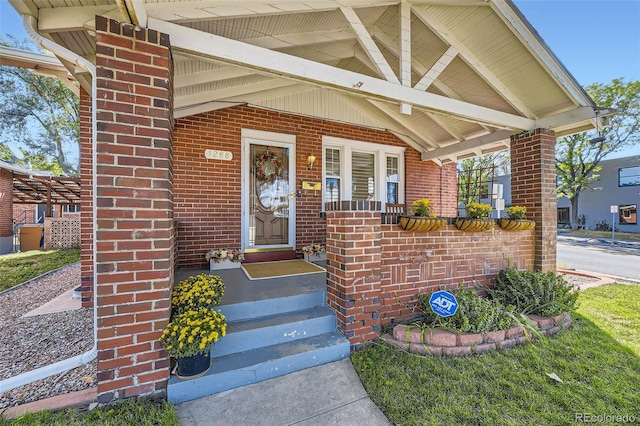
(534, 292)
(475, 314)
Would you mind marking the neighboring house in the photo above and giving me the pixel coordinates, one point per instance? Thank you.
(25, 197)
(272, 125)
(617, 186)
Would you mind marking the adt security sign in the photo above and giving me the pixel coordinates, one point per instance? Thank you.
(443, 303)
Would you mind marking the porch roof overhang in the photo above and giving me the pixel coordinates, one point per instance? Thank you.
(37, 187)
(452, 79)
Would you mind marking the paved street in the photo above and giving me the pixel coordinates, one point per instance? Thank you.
(619, 260)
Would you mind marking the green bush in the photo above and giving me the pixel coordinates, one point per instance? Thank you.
(475, 314)
(534, 292)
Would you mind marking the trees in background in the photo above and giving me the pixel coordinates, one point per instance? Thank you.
(40, 114)
(578, 156)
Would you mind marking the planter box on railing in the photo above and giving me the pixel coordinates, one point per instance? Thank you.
(421, 223)
(474, 225)
(516, 224)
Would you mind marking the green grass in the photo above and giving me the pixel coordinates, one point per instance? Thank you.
(615, 309)
(600, 374)
(17, 268)
(134, 412)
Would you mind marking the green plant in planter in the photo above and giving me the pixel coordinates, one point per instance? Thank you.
(422, 208)
(478, 210)
(534, 292)
(475, 314)
(516, 212)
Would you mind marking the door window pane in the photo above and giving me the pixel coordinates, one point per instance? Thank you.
(362, 176)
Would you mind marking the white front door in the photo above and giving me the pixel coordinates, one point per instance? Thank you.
(268, 191)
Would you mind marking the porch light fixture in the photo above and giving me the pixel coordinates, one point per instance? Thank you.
(310, 160)
(600, 138)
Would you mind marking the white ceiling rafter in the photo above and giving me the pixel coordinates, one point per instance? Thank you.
(440, 121)
(370, 48)
(436, 69)
(399, 120)
(275, 63)
(405, 134)
(451, 151)
(468, 56)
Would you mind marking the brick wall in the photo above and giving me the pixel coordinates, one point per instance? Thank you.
(375, 272)
(6, 203)
(207, 192)
(134, 200)
(533, 185)
(86, 199)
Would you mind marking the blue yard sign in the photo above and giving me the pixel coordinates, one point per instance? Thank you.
(443, 303)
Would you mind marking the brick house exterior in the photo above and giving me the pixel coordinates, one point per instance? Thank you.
(153, 180)
(168, 91)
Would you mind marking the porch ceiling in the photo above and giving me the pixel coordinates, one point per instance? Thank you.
(451, 78)
(36, 189)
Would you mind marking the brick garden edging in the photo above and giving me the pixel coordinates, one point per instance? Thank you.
(435, 341)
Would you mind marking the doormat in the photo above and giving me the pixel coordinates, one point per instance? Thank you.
(281, 268)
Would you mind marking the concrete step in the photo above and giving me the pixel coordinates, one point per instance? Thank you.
(253, 366)
(272, 306)
(274, 329)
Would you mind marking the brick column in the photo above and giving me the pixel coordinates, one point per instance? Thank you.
(86, 200)
(6, 211)
(353, 268)
(533, 185)
(134, 208)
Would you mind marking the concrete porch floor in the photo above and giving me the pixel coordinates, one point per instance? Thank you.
(240, 289)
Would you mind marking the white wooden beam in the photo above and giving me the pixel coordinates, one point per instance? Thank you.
(137, 12)
(369, 46)
(446, 35)
(405, 43)
(572, 116)
(395, 116)
(501, 136)
(429, 77)
(290, 67)
(62, 19)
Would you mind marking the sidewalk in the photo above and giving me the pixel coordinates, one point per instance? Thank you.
(329, 394)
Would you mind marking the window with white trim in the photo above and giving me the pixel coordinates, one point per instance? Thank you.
(360, 171)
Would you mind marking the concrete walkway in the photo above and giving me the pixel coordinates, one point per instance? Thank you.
(329, 394)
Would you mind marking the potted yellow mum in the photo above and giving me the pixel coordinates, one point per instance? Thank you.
(476, 219)
(516, 220)
(195, 326)
(422, 219)
(188, 338)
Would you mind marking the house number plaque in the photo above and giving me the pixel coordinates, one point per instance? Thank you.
(214, 154)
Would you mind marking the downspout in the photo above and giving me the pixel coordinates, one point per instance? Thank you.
(65, 365)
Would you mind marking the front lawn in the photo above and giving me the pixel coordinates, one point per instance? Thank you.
(16, 268)
(132, 412)
(600, 373)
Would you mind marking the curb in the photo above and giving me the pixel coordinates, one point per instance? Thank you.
(83, 397)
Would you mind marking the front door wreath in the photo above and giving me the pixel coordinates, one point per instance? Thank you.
(268, 167)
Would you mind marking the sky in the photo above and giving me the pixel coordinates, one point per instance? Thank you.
(596, 40)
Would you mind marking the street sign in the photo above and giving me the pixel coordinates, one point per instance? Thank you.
(614, 209)
(443, 303)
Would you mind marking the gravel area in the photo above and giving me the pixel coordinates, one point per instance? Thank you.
(33, 342)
